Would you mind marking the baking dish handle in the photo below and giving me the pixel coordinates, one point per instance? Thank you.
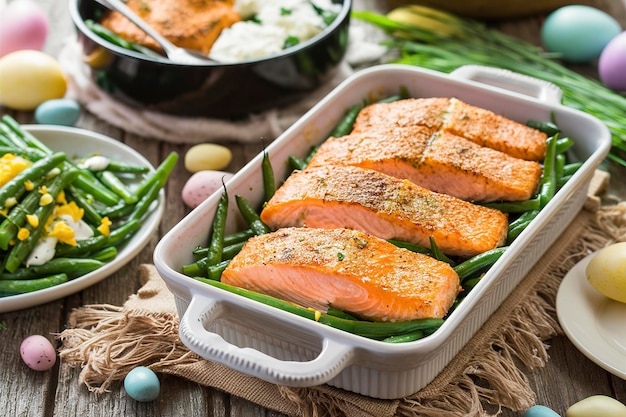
(511, 81)
(332, 359)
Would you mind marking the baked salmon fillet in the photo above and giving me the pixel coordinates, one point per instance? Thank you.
(451, 115)
(345, 269)
(331, 196)
(189, 24)
(441, 162)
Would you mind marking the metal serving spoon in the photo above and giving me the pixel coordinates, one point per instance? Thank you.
(174, 53)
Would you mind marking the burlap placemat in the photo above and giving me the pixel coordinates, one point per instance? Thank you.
(108, 341)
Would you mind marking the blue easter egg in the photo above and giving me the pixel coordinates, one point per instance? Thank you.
(62, 111)
(142, 384)
(540, 411)
(579, 33)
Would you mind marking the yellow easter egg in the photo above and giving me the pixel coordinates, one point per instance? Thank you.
(28, 78)
(606, 272)
(207, 156)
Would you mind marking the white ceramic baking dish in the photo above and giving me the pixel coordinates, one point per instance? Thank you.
(286, 349)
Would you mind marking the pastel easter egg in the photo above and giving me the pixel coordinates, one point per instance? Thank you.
(597, 405)
(142, 384)
(23, 25)
(38, 353)
(28, 78)
(201, 185)
(206, 157)
(61, 111)
(540, 411)
(612, 63)
(579, 33)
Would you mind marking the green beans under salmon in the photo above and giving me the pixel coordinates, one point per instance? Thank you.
(374, 330)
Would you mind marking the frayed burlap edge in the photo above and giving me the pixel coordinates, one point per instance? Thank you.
(488, 372)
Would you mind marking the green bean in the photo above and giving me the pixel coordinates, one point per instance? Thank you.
(216, 241)
(515, 206)
(117, 211)
(437, 253)
(548, 128)
(160, 174)
(375, 330)
(195, 270)
(523, 218)
(346, 124)
(410, 246)
(296, 163)
(12, 287)
(476, 263)
(470, 283)
(520, 224)
(405, 337)
(214, 272)
(548, 179)
(12, 139)
(339, 313)
(98, 242)
(116, 185)
(124, 167)
(15, 187)
(28, 153)
(238, 237)
(73, 267)
(563, 144)
(90, 215)
(269, 183)
(92, 186)
(104, 255)
(228, 252)
(27, 138)
(142, 206)
(250, 216)
(571, 168)
(559, 165)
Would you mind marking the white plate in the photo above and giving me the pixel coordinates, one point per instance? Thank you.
(593, 322)
(79, 142)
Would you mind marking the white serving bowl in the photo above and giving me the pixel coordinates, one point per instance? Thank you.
(286, 349)
(79, 142)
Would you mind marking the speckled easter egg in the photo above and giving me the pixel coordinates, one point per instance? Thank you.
(201, 185)
(38, 353)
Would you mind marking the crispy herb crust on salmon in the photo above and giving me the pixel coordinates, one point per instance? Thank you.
(331, 196)
(346, 269)
(193, 24)
(451, 115)
(439, 161)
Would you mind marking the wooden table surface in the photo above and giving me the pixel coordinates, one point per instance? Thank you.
(567, 378)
